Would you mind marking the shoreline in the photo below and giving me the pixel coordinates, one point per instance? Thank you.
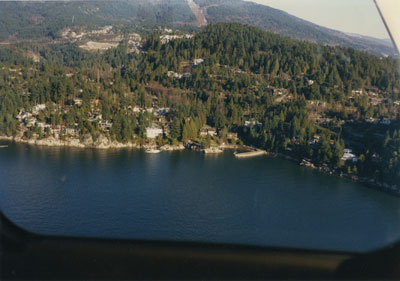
(104, 143)
(393, 190)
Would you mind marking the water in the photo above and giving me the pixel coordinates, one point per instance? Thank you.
(188, 196)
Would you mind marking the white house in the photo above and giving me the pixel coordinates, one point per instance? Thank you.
(38, 108)
(198, 61)
(348, 155)
(252, 124)
(153, 132)
(105, 125)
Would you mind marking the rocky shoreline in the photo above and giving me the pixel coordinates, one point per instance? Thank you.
(101, 143)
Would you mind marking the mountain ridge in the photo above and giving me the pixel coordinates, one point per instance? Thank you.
(32, 20)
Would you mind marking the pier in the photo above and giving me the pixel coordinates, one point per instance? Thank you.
(254, 153)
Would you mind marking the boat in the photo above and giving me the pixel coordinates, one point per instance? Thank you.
(153, 151)
(3, 146)
(212, 150)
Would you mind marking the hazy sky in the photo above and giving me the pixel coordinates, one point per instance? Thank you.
(355, 16)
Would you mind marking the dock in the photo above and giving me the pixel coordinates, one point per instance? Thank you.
(254, 153)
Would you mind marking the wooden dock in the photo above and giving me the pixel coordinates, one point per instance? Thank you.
(254, 153)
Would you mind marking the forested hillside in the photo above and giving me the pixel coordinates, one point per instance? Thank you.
(32, 19)
(307, 101)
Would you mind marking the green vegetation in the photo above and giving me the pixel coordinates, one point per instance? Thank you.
(301, 99)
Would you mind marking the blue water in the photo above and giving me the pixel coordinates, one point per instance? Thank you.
(188, 196)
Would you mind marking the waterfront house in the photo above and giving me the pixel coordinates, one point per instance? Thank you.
(349, 156)
(30, 122)
(153, 132)
(105, 125)
(232, 136)
(71, 131)
(208, 131)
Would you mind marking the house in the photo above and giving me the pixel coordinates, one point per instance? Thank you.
(136, 109)
(358, 92)
(153, 132)
(162, 111)
(78, 102)
(30, 121)
(37, 108)
(43, 125)
(105, 125)
(166, 38)
(252, 124)
(23, 115)
(371, 120)
(95, 116)
(71, 131)
(56, 129)
(198, 61)
(349, 156)
(311, 82)
(232, 136)
(208, 131)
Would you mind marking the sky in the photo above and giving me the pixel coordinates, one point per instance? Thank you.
(353, 16)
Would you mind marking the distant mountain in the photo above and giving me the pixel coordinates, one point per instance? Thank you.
(278, 21)
(386, 41)
(34, 19)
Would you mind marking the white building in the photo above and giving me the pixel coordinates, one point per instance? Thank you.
(37, 108)
(198, 61)
(23, 115)
(252, 124)
(348, 155)
(136, 109)
(105, 125)
(153, 132)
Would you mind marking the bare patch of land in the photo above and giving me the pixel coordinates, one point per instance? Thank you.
(95, 46)
(200, 18)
